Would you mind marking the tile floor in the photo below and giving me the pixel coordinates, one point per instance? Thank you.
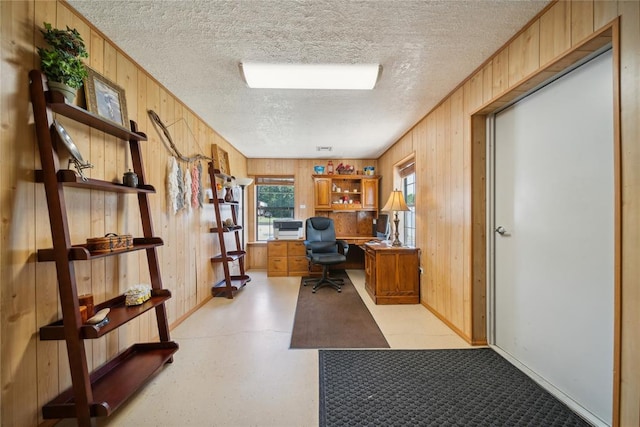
(235, 368)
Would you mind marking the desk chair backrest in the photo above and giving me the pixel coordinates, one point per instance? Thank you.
(321, 230)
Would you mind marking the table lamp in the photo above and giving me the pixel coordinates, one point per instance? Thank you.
(394, 204)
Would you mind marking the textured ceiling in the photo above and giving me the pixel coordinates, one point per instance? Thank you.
(425, 48)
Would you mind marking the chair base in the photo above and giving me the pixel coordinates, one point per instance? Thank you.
(325, 280)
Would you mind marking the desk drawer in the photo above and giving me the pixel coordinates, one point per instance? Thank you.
(298, 265)
(276, 248)
(277, 266)
(296, 249)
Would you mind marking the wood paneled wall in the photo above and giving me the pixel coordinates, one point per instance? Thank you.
(34, 371)
(449, 148)
(449, 219)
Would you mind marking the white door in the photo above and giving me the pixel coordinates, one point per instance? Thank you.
(554, 255)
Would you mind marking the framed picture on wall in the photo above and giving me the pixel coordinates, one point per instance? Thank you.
(105, 98)
(220, 159)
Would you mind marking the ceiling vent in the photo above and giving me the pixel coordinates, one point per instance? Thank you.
(324, 149)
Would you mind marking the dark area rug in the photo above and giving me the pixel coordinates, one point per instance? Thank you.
(329, 319)
(475, 387)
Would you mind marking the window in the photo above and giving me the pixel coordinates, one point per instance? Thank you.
(408, 175)
(274, 201)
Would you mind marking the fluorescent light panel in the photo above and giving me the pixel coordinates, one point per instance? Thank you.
(310, 76)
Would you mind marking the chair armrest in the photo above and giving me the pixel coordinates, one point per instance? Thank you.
(307, 247)
(345, 246)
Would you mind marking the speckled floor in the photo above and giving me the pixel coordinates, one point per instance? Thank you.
(235, 368)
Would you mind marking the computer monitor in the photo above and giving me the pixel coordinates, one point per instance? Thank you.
(382, 227)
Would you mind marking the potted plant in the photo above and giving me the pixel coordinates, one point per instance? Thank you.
(61, 62)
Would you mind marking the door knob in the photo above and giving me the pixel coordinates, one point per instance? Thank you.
(501, 230)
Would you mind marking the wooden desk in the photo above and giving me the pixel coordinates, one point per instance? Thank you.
(392, 274)
(356, 240)
(288, 257)
(355, 257)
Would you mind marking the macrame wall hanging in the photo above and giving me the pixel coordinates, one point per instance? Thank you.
(184, 185)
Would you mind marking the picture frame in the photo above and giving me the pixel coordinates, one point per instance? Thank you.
(105, 98)
(220, 159)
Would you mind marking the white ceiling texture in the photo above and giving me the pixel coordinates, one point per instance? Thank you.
(194, 48)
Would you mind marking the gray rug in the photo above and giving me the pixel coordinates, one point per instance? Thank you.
(475, 387)
(330, 319)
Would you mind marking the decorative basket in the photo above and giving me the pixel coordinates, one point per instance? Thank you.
(110, 242)
(137, 295)
(345, 172)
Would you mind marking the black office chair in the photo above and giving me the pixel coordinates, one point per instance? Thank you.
(323, 249)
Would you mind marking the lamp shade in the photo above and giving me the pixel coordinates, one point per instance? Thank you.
(396, 202)
(243, 182)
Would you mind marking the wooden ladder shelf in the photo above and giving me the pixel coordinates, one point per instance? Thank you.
(230, 283)
(102, 391)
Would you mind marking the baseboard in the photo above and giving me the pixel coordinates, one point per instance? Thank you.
(193, 309)
(454, 328)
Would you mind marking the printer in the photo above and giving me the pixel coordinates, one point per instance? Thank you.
(288, 229)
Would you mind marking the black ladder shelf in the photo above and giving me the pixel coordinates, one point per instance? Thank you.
(230, 283)
(97, 393)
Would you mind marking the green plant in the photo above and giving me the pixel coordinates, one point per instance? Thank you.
(62, 61)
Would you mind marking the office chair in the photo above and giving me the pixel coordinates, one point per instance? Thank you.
(322, 249)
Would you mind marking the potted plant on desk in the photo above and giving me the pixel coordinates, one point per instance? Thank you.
(62, 61)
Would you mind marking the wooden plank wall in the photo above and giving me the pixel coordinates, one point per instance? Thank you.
(34, 371)
(446, 157)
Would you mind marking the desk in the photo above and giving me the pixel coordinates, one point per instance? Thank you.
(392, 274)
(288, 257)
(355, 257)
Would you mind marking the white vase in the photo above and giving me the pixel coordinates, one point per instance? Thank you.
(68, 92)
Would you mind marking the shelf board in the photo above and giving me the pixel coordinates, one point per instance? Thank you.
(237, 282)
(231, 256)
(116, 381)
(337, 176)
(81, 253)
(71, 179)
(346, 206)
(227, 229)
(57, 103)
(118, 316)
(224, 202)
(223, 175)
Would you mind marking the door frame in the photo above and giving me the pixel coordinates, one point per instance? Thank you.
(482, 197)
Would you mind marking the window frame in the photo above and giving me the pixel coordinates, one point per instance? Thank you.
(407, 172)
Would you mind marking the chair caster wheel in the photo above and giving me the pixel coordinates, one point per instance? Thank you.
(313, 291)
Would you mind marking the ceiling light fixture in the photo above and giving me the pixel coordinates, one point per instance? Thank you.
(310, 76)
